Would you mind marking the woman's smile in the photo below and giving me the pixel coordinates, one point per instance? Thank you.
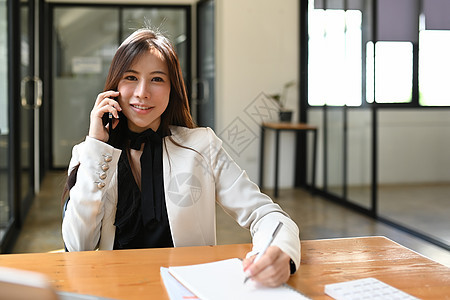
(140, 107)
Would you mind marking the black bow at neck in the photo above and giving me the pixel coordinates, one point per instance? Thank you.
(152, 188)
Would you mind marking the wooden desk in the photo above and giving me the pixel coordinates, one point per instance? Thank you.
(134, 274)
(285, 126)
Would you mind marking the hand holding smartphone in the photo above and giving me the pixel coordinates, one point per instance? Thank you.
(103, 113)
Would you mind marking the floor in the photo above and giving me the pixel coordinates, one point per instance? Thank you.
(317, 218)
(423, 207)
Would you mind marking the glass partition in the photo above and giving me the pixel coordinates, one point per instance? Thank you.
(5, 205)
(387, 155)
(359, 157)
(414, 181)
(84, 42)
(335, 151)
(315, 118)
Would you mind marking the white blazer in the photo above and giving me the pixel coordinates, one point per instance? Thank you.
(194, 180)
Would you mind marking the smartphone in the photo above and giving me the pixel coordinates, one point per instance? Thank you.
(108, 118)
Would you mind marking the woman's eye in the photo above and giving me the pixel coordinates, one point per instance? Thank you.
(158, 79)
(130, 77)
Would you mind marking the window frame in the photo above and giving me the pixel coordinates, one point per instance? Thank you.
(369, 20)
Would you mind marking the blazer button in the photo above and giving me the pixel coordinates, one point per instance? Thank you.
(100, 184)
(102, 175)
(108, 157)
(105, 167)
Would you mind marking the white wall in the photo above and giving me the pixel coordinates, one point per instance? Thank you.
(256, 51)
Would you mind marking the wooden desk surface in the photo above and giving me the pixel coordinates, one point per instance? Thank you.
(288, 126)
(134, 274)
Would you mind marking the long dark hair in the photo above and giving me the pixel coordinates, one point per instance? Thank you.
(177, 112)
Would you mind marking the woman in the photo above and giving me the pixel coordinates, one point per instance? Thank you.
(152, 179)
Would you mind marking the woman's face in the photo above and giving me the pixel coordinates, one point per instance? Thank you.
(145, 91)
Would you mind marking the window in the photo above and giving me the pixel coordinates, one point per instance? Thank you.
(393, 72)
(406, 64)
(335, 65)
(434, 66)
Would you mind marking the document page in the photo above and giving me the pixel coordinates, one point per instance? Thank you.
(225, 280)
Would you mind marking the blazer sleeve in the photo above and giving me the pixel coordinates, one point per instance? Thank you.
(94, 186)
(243, 200)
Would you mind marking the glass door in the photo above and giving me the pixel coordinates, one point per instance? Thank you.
(20, 98)
(5, 203)
(83, 44)
(30, 102)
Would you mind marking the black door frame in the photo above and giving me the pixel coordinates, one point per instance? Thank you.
(204, 101)
(18, 205)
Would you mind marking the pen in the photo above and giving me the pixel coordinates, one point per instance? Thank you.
(274, 234)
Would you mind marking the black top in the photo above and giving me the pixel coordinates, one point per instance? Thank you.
(141, 217)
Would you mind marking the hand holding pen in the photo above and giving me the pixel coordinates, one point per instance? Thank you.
(270, 267)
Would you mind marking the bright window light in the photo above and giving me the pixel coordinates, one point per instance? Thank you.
(434, 66)
(393, 72)
(335, 65)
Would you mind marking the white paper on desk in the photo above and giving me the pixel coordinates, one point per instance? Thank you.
(174, 288)
(367, 288)
(225, 280)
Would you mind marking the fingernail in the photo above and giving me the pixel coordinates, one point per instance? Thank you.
(247, 273)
